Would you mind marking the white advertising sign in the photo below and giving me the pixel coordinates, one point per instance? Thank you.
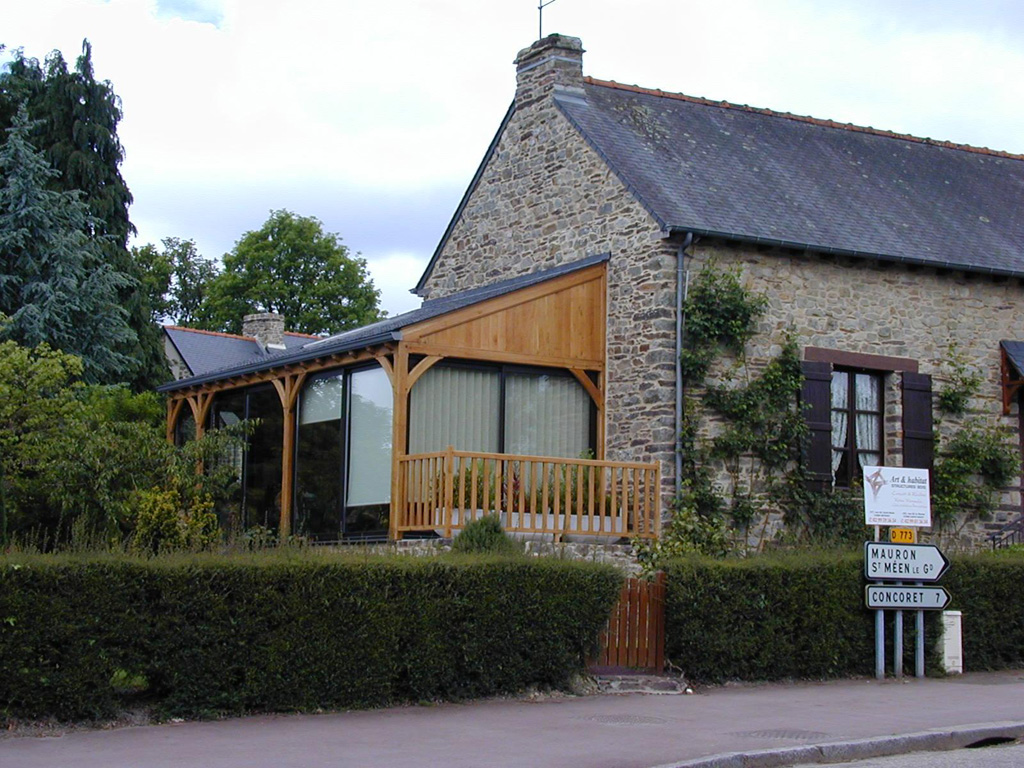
(897, 496)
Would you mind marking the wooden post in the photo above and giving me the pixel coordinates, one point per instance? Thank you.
(448, 500)
(399, 430)
(288, 388)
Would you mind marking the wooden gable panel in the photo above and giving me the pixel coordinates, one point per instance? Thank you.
(560, 322)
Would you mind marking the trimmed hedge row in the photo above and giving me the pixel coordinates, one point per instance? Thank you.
(803, 616)
(206, 635)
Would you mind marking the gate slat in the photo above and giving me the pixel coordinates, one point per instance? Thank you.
(635, 635)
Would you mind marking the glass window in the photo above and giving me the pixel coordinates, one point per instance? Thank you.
(318, 502)
(546, 415)
(229, 409)
(369, 476)
(455, 406)
(856, 424)
(263, 459)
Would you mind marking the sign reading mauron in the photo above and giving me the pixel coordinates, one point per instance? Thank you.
(897, 496)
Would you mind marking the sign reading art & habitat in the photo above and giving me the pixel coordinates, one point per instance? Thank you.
(897, 496)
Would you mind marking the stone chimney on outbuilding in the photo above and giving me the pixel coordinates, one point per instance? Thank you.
(266, 327)
(553, 63)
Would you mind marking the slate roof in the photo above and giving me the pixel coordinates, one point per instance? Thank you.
(754, 175)
(389, 329)
(205, 351)
(718, 169)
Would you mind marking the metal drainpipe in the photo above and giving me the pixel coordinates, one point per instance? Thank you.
(682, 287)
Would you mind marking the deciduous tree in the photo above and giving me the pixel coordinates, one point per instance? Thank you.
(290, 265)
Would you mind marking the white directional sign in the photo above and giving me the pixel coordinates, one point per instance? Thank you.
(903, 562)
(903, 598)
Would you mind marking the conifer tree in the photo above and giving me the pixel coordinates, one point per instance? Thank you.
(56, 285)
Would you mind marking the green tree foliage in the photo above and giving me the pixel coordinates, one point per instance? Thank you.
(290, 265)
(75, 119)
(177, 281)
(55, 284)
(95, 456)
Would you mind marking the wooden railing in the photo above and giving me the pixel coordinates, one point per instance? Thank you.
(443, 491)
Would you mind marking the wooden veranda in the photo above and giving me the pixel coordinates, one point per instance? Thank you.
(557, 323)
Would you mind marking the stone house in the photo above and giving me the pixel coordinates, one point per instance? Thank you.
(882, 252)
(550, 326)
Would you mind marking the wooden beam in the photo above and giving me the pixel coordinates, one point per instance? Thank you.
(466, 353)
(588, 384)
(288, 388)
(388, 368)
(173, 411)
(399, 434)
(422, 367)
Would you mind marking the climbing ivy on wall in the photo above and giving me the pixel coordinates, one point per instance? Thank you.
(975, 460)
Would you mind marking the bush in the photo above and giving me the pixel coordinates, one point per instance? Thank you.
(485, 536)
(203, 635)
(803, 616)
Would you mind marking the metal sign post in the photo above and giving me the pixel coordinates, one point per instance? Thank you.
(900, 497)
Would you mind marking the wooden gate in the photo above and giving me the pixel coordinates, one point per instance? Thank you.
(634, 640)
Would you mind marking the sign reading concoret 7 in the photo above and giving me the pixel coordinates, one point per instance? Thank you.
(884, 596)
(903, 562)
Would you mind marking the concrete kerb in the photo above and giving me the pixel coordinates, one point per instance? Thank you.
(937, 740)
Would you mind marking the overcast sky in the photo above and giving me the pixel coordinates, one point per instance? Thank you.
(373, 115)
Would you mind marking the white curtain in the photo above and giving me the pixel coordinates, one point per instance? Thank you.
(868, 392)
(457, 407)
(370, 412)
(840, 402)
(546, 416)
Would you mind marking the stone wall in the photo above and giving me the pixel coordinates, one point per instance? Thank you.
(546, 198)
(885, 309)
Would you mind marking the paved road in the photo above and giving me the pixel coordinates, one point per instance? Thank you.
(630, 731)
(992, 757)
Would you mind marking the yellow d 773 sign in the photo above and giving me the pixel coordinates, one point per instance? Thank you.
(903, 535)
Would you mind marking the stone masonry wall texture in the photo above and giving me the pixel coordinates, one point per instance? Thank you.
(546, 198)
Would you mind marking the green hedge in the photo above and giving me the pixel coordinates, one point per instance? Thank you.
(207, 635)
(803, 616)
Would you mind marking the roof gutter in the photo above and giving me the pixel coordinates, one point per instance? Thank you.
(682, 290)
(675, 230)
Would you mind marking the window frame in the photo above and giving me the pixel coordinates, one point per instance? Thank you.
(850, 448)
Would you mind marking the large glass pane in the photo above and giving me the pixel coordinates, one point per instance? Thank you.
(546, 415)
(868, 392)
(263, 467)
(318, 502)
(457, 407)
(369, 476)
(229, 409)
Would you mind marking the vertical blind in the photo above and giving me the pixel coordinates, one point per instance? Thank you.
(457, 407)
(546, 416)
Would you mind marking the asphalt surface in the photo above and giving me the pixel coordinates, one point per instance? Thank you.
(743, 726)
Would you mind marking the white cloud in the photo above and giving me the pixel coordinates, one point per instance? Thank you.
(236, 107)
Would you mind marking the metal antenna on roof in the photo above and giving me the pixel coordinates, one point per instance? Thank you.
(540, 17)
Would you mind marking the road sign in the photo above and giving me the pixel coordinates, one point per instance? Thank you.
(884, 597)
(903, 535)
(903, 562)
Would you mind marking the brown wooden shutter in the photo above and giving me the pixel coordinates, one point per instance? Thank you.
(816, 399)
(918, 435)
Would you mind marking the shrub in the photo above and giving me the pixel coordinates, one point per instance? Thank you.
(485, 536)
(205, 634)
(803, 616)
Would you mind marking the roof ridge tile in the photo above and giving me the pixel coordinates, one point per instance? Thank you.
(801, 118)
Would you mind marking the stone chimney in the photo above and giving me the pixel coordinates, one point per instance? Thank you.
(266, 327)
(553, 63)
